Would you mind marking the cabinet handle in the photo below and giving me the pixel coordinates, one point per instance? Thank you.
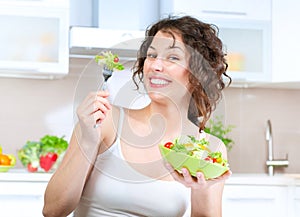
(224, 12)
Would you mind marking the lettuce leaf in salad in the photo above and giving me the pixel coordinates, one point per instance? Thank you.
(189, 145)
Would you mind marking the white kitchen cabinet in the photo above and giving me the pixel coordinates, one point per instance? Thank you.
(285, 40)
(296, 202)
(125, 15)
(22, 198)
(244, 27)
(22, 193)
(255, 200)
(34, 36)
(228, 9)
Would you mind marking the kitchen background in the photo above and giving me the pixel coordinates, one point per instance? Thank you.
(31, 108)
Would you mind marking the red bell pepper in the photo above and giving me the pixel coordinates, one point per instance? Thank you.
(47, 160)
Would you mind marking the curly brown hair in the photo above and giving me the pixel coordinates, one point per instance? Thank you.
(207, 63)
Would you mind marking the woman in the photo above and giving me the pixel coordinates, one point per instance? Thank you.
(116, 169)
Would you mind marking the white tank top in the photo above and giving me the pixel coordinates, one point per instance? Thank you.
(116, 189)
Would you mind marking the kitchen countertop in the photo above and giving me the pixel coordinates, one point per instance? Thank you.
(264, 179)
(19, 175)
(22, 175)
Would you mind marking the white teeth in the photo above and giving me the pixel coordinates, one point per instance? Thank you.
(158, 81)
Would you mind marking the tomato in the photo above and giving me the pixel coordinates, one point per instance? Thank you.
(209, 159)
(31, 169)
(169, 145)
(4, 160)
(116, 59)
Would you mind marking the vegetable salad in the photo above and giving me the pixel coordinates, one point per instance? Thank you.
(198, 148)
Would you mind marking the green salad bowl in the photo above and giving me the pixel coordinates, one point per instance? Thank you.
(181, 160)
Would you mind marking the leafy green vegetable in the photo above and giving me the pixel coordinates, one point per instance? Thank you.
(189, 145)
(30, 153)
(53, 144)
(178, 146)
(110, 60)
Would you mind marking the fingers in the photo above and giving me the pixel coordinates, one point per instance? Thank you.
(183, 176)
(94, 108)
(188, 179)
(199, 180)
(226, 175)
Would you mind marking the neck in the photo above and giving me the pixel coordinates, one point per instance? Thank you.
(173, 117)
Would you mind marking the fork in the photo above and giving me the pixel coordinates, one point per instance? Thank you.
(106, 75)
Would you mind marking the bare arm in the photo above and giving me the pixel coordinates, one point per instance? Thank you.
(66, 185)
(207, 201)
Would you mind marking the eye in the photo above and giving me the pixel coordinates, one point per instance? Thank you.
(151, 55)
(173, 58)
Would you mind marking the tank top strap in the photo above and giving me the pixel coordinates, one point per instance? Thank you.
(120, 123)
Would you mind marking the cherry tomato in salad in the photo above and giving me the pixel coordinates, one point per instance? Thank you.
(169, 145)
(116, 59)
(207, 159)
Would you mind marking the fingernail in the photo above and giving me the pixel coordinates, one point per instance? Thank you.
(199, 175)
(168, 166)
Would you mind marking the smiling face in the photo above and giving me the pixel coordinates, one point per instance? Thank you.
(165, 67)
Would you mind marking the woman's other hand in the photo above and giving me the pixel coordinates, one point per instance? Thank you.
(199, 182)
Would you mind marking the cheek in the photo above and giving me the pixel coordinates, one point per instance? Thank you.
(183, 76)
(146, 67)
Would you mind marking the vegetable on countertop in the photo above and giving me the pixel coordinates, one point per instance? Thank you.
(30, 155)
(53, 144)
(47, 160)
(45, 154)
(31, 168)
(7, 161)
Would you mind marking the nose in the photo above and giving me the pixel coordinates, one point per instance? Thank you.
(157, 64)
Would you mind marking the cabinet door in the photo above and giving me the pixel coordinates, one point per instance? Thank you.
(248, 49)
(34, 36)
(244, 28)
(24, 199)
(223, 9)
(258, 201)
(126, 15)
(296, 207)
(285, 37)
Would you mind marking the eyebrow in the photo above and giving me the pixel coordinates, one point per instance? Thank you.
(170, 47)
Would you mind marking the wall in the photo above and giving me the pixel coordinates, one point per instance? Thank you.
(32, 108)
(249, 109)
